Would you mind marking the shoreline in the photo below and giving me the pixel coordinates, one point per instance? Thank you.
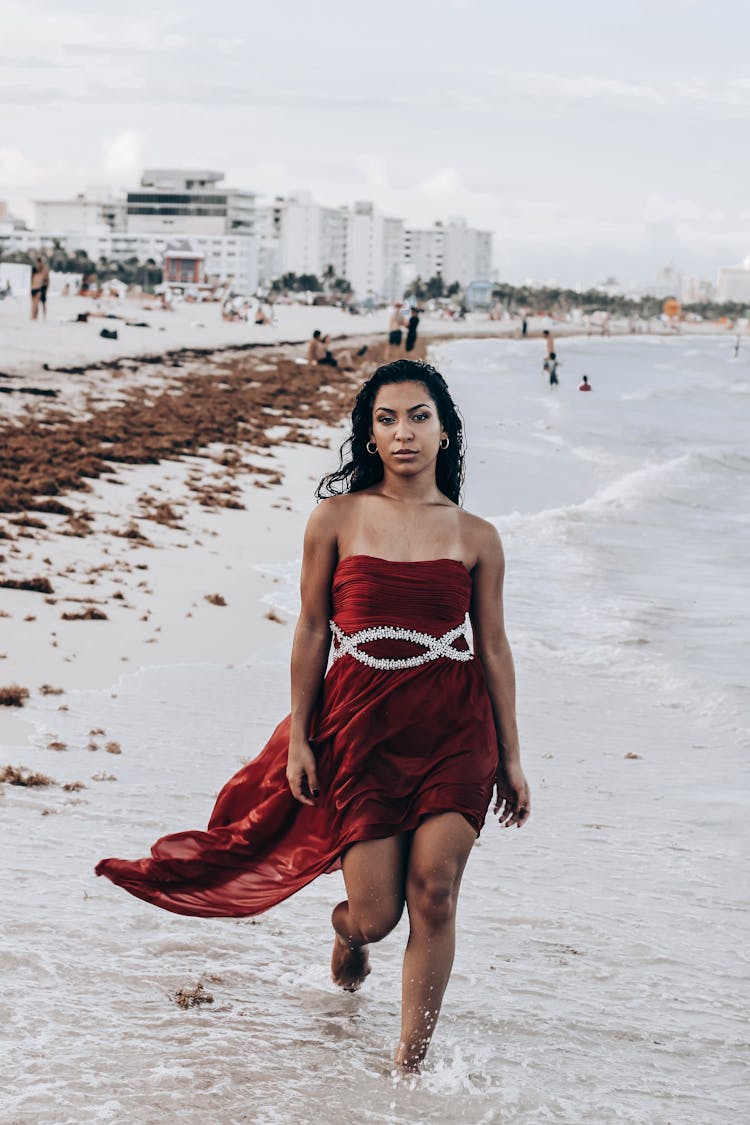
(36, 348)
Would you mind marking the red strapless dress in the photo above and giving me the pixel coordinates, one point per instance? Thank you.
(393, 745)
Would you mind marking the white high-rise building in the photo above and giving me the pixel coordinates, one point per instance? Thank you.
(334, 239)
(358, 243)
(394, 249)
(300, 234)
(733, 282)
(180, 201)
(81, 215)
(312, 237)
(268, 232)
(456, 251)
(423, 251)
(365, 257)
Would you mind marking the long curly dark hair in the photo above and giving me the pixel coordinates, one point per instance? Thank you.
(358, 469)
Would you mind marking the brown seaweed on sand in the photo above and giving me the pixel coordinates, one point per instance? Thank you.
(19, 775)
(38, 585)
(13, 695)
(88, 614)
(191, 997)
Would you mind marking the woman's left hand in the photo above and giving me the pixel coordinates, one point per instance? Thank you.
(513, 798)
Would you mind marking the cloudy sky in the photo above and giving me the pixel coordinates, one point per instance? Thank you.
(592, 138)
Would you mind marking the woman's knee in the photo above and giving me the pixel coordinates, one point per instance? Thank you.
(375, 925)
(371, 923)
(432, 899)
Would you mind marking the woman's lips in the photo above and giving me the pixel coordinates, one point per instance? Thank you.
(405, 454)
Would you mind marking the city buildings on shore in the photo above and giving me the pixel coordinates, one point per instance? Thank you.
(235, 236)
(733, 283)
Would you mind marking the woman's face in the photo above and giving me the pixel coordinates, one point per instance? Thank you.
(406, 428)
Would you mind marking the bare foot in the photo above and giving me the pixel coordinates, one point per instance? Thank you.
(349, 966)
(404, 1068)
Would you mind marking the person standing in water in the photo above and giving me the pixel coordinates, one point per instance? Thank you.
(585, 385)
(388, 762)
(550, 361)
(39, 286)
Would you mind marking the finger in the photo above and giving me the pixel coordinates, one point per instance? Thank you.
(296, 785)
(521, 814)
(505, 813)
(312, 780)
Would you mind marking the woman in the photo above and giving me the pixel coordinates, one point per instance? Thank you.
(387, 766)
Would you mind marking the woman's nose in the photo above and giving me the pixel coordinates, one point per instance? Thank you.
(404, 430)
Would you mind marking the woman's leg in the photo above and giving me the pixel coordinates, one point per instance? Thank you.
(374, 873)
(438, 854)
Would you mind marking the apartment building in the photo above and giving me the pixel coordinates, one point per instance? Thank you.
(454, 250)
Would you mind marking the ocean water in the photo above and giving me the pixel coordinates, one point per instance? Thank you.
(625, 512)
(601, 969)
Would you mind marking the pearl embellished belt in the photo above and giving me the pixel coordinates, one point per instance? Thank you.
(347, 645)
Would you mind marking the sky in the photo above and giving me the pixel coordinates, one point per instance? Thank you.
(593, 139)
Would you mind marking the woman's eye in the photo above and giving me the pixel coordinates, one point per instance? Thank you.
(384, 421)
(420, 417)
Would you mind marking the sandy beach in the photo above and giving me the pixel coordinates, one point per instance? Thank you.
(151, 523)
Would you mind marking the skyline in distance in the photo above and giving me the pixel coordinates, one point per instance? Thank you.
(590, 142)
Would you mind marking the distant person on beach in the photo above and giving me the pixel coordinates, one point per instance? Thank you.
(411, 329)
(585, 385)
(39, 286)
(318, 351)
(550, 362)
(395, 331)
(387, 764)
(524, 327)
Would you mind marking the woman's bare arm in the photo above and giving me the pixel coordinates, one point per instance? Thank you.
(312, 639)
(492, 648)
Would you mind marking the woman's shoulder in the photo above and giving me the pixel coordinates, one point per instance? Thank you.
(480, 536)
(332, 510)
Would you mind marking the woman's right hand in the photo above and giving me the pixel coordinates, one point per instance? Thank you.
(301, 773)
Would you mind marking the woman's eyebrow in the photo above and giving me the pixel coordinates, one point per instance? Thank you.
(390, 410)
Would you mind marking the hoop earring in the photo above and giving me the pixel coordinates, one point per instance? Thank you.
(374, 449)
(445, 442)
